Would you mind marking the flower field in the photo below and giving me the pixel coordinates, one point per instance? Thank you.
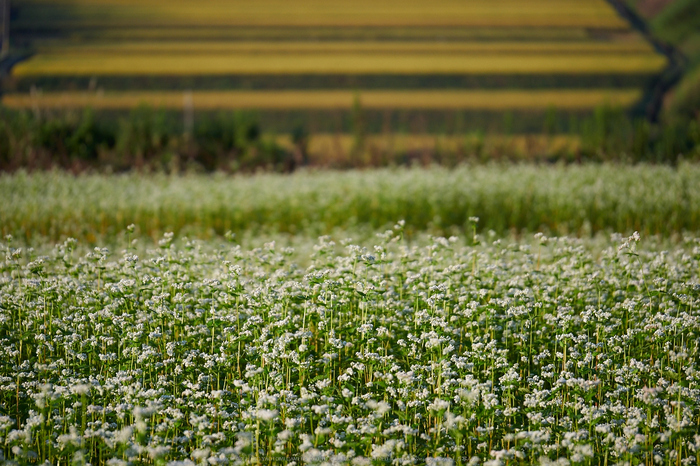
(368, 232)
(577, 199)
(461, 350)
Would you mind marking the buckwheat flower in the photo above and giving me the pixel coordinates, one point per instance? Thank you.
(313, 456)
(243, 440)
(510, 377)
(439, 461)
(439, 405)
(45, 394)
(79, 457)
(81, 389)
(123, 435)
(385, 450)
(452, 421)
(121, 462)
(381, 408)
(6, 422)
(545, 461)
(361, 461)
(72, 438)
(201, 454)
(305, 442)
(266, 415)
(322, 431)
(319, 409)
(155, 452)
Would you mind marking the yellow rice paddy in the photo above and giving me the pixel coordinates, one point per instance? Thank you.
(413, 99)
(347, 63)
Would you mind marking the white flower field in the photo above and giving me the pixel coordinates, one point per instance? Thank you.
(466, 350)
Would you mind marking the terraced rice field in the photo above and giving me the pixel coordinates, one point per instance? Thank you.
(347, 58)
(129, 13)
(330, 63)
(212, 100)
(439, 54)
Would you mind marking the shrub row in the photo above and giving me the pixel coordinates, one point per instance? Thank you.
(234, 141)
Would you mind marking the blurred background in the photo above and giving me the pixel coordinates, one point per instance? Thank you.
(271, 84)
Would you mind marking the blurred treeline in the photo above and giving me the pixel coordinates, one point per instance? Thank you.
(154, 140)
(146, 139)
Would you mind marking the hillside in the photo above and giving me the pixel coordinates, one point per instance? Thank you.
(113, 54)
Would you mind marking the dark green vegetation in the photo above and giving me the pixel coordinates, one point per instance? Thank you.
(333, 81)
(145, 139)
(235, 141)
(677, 23)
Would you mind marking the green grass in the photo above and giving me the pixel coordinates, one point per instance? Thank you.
(573, 199)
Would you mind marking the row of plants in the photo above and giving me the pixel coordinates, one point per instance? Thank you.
(236, 141)
(508, 198)
(146, 139)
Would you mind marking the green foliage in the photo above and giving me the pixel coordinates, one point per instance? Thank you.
(678, 20)
(300, 139)
(359, 132)
(551, 121)
(80, 138)
(217, 139)
(142, 136)
(684, 102)
(5, 144)
(230, 141)
(610, 135)
(146, 138)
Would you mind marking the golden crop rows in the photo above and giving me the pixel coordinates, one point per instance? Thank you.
(321, 63)
(347, 47)
(166, 39)
(414, 99)
(357, 33)
(532, 13)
